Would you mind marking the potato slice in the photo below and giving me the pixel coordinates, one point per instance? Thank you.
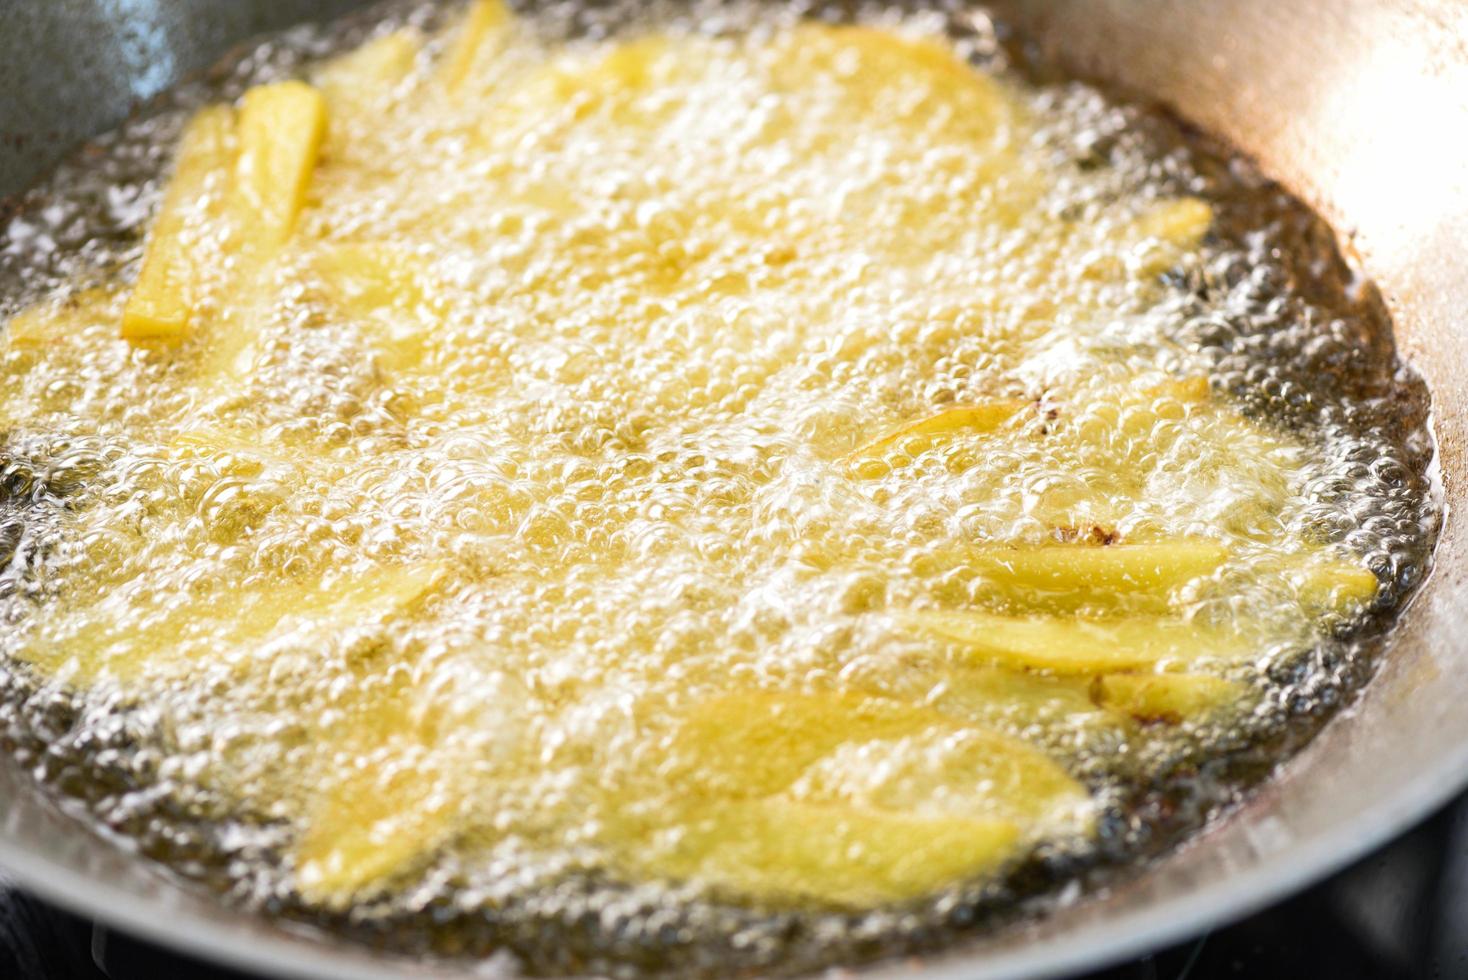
(388, 288)
(169, 282)
(1017, 701)
(1189, 391)
(133, 635)
(835, 797)
(360, 76)
(1171, 229)
(52, 322)
(373, 826)
(1155, 568)
(484, 25)
(1168, 697)
(281, 127)
(1335, 587)
(915, 437)
(1071, 645)
(880, 70)
(1181, 221)
(953, 771)
(784, 852)
(754, 743)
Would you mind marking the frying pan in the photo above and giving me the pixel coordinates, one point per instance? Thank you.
(1359, 106)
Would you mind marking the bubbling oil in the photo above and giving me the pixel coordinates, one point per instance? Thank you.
(682, 498)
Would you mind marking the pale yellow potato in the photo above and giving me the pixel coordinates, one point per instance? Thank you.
(784, 852)
(361, 76)
(379, 821)
(1181, 221)
(483, 28)
(1072, 645)
(281, 126)
(52, 322)
(1168, 697)
(170, 283)
(388, 289)
(1155, 568)
(180, 632)
(1186, 390)
(960, 770)
(1167, 232)
(1337, 587)
(880, 64)
(868, 785)
(753, 743)
(870, 460)
(1017, 701)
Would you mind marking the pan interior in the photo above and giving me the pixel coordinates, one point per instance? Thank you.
(1282, 347)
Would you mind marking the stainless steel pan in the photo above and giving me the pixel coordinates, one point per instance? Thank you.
(1361, 106)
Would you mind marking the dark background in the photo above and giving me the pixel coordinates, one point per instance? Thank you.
(1400, 913)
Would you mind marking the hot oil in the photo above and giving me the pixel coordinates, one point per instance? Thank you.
(600, 465)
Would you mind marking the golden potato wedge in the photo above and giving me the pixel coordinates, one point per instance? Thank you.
(1154, 568)
(168, 286)
(129, 637)
(1181, 221)
(1072, 645)
(362, 75)
(372, 826)
(916, 437)
(1334, 586)
(52, 322)
(387, 288)
(281, 126)
(785, 852)
(481, 28)
(1168, 697)
(754, 743)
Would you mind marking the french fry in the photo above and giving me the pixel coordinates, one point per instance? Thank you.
(1071, 645)
(107, 639)
(1189, 391)
(52, 322)
(914, 437)
(1334, 586)
(388, 288)
(1016, 701)
(835, 797)
(787, 852)
(281, 126)
(374, 825)
(281, 129)
(1155, 568)
(1173, 228)
(878, 61)
(958, 770)
(482, 27)
(754, 743)
(359, 75)
(359, 87)
(169, 283)
(1181, 221)
(1168, 697)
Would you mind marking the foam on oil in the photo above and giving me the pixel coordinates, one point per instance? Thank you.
(493, 608)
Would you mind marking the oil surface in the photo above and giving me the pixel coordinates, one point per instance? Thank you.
(694, 490)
